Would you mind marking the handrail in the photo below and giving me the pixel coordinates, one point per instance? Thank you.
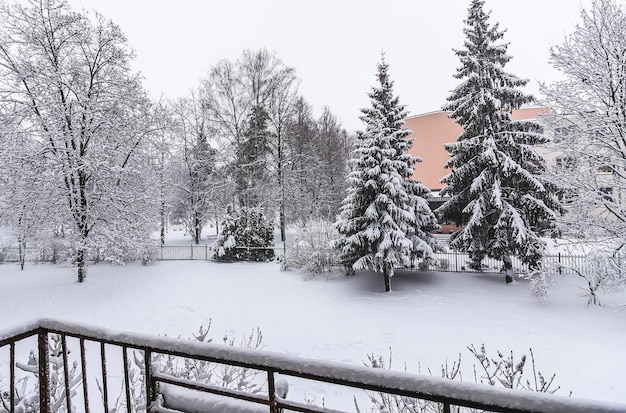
(424, 387)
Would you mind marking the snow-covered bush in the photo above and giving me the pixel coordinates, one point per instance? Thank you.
(309, 249)
(247, 235)
(443, 264)
(504, 370)
(601, 271)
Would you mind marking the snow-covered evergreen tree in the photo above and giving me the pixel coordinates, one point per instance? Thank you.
(247, 235)
(385, 218)
(496, 185)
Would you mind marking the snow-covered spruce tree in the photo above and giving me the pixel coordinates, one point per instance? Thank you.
(385, 219)
(247, 235)
(496, 187)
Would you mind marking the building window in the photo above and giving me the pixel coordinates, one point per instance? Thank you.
(606, 192)
(566, 162)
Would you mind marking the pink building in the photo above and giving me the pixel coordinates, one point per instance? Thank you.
(431, 131)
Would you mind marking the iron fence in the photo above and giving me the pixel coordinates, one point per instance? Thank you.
(460, 262)
(206, 252)
(61, 386)
(451, 261)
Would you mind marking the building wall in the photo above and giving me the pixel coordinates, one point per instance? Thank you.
(431, 131)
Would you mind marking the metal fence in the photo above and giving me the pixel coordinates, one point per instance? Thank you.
(70, 356)
(206, 252)
(444, 261)
(12, 254)
(186, 252)
(460, 262)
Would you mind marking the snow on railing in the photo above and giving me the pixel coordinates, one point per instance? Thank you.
(58, 386)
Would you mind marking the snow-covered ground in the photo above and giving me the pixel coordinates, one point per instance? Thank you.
(428, 318)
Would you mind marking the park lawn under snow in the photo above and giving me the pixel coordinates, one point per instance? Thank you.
(427, 319)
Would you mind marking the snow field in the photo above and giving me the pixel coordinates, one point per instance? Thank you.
(427, 319)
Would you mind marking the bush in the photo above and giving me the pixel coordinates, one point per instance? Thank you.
(246, 234)
(310, 250)
(601, 272)
(504, 370)
(444, 264)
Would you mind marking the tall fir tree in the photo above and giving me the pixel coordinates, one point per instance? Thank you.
(385, 219)
(251, 176)
(497, 189)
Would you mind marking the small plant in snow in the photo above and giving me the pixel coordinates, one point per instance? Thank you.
(509, 373)
(232, 377)
(541, 281)
(503, 370)
(310, 250)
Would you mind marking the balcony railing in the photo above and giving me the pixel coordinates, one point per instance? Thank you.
(61, 387)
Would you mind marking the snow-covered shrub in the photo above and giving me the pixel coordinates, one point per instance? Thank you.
(309, 250)
(601, 271)
(205, 372)
(509, 373)
(541, 282)
(503, 370)
(246, 235)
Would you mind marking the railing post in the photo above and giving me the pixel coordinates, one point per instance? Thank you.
(126, 379)
(103, 366)
(83, 372)
(150, 390)
(446, 407)
(271, 388)
(44, 371)
(66, 374)
(12, 374)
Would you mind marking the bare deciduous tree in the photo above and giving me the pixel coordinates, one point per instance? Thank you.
(67, 78)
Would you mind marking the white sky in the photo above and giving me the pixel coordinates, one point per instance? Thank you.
(333, 45)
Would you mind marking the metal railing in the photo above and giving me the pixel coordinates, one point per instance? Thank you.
(58, 387)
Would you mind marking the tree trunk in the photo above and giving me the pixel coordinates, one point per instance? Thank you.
(282, 214)
(197, 230)
(81, 264)
(22, 252)
(387, 275)
(508, 269)
(162, 220)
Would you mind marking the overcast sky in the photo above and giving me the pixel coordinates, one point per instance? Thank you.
(334, 45)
